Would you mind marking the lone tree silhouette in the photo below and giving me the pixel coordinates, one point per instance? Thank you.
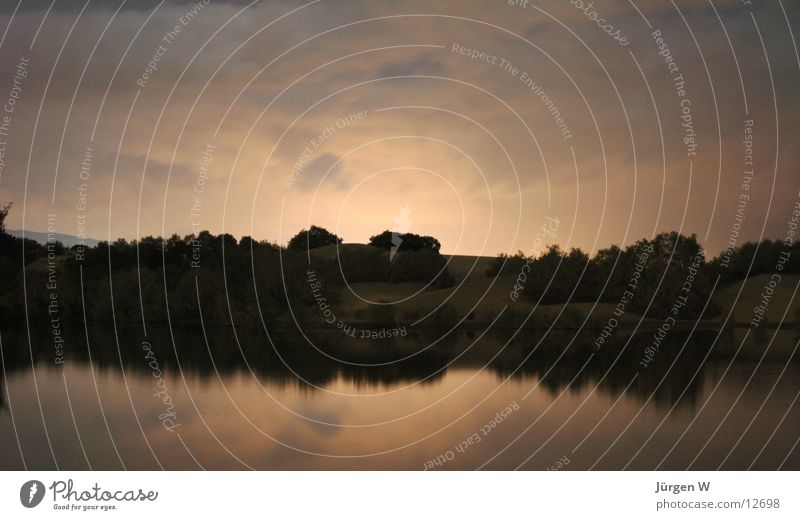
(407, 242)
(3, 215)
(312, 238)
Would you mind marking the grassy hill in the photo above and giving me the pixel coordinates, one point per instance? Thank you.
(474, 292)
(743, 296)
(483, 296)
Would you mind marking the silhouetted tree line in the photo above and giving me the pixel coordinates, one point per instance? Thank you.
(175, 279)
(247, 281)
(14, 251)
(754, 258)
(178, 278)
(667, 266)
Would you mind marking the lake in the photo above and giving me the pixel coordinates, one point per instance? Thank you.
(239, 399)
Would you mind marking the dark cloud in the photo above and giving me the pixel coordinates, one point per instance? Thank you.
(323, 169)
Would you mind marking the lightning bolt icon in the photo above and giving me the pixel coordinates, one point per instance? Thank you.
(34, 488)
(396, 241)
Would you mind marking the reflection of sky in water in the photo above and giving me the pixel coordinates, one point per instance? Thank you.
(232, 409)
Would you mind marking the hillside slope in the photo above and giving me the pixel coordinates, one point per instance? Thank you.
(750, 296)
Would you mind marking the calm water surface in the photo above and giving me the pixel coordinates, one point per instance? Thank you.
(223, 401)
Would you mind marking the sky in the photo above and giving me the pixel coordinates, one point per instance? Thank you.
(477, 122)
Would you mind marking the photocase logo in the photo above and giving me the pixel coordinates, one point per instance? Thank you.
(401, 223)
(31, 493)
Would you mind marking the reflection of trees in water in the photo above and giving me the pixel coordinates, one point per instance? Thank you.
(290, 357)
(12, 349)
(287, 360)
(613, 372)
